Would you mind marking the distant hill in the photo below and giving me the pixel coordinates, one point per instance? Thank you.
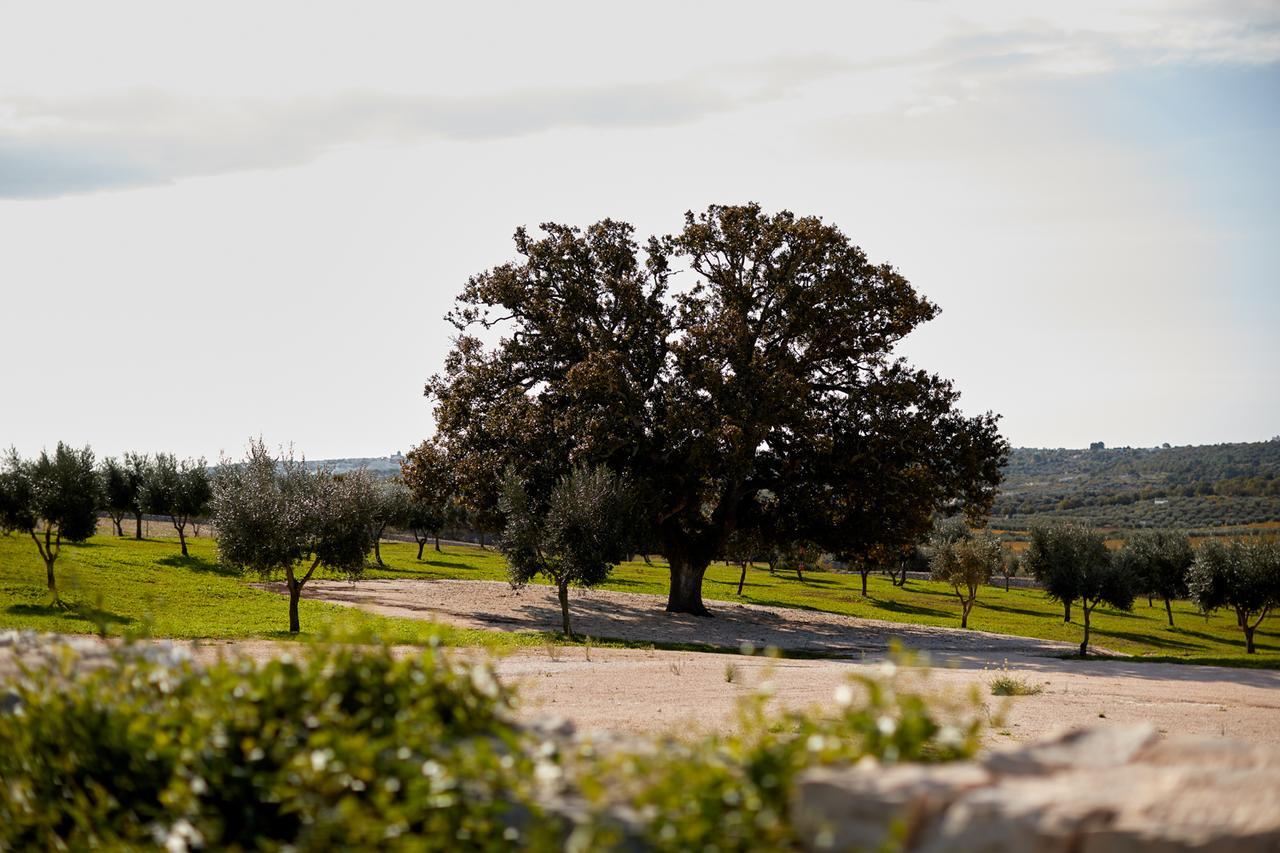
(383, 466)
(1194, 486)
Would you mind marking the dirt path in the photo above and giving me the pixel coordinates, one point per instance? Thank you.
(494, 605)
(639, 690)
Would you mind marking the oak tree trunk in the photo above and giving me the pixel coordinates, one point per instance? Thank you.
(686, 585)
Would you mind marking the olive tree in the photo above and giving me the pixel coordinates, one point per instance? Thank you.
(433, 492)
(180, 490)
(390, 509)
(1158, 562)
(770, 369)
(573, 537)
(1102, 581)
(965, 560)
(136, 466)
(424, 521)
(118, 491)
(1243, 576)
(274, 516)
(54, 499)
(1009, 568)
(1051, 558)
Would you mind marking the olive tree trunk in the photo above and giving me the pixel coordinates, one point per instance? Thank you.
(742, 579)
(1084, 645)
(563, 589)
(1168, 609)
(137, 521)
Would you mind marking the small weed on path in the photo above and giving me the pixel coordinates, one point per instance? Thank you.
(1008, 684)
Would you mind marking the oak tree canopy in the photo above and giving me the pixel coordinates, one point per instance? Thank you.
(740, 373)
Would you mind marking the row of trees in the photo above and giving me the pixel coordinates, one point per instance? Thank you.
(1074, 564)
(56, 497)
(1075, 567)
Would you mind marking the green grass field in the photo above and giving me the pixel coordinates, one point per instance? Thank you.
(146, 586)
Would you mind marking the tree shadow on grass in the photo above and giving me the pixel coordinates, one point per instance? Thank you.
(1148, 639)
(1004, 608)
(197, 564)
(903, 607)
(71, 610)
(444, 564)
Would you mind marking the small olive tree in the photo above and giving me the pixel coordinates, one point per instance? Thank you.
(118, 491)
(1102, 581)
(583, 529)
(180, 490)
(424, 521)
(1158, 562)
(1052, 558)
(1244, 576)
(52, 498)
(136, 466)
(1009, 568)
(273, 517)
(390, 509)
(965, 560)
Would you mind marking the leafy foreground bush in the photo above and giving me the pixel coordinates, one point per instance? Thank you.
(350, 748)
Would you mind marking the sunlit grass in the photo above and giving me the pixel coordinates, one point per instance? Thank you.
(123, 586)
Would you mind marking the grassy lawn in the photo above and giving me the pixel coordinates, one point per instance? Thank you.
(129, 587)
(146, 586)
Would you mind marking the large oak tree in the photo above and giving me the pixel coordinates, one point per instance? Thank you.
(747, 359)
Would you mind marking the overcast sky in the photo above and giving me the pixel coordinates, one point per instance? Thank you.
(220, 220)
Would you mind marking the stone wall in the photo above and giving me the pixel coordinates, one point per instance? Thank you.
(1101, 790)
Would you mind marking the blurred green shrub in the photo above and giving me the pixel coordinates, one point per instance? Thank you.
(348, 747)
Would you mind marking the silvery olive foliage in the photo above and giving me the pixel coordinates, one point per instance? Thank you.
(390, 509)
(1242, 576)
(965, 560)
(275, 517)
(1157, 561)
(584, 528)
(180, 490)
(52, 498)
(1073, 562)
(119, 491)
